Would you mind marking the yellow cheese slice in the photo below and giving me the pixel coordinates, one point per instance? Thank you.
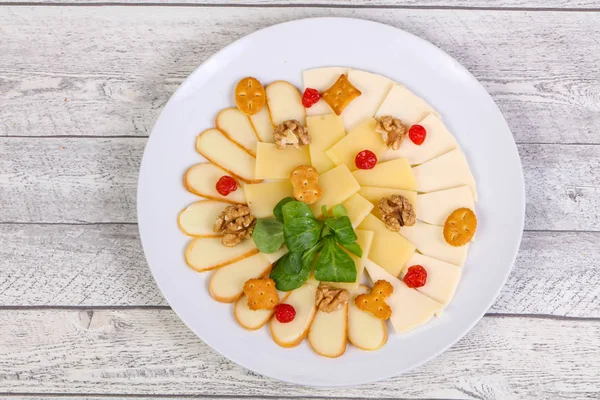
(327, 335)
(437, 142)
(442, 277)
(321, 79)
(338, 185)
(261, 122)
(273, 257)
(403, 104)
(324, 131)
(374, 194)
(203, 254)
(364, 240)
(388, 249)
(365, 331)
(227, 283)
(395, 174)
(253, 319)
(215, 147)
(435, 207)
(199, 218)
(444, 172)
(362, 137)
(373, 89)
(201, 179)
(357, 208)
(410, 308)
(274, 163)
(290, 334)
(429, 240)
(263, 197)
(237, 127)
(285, 103)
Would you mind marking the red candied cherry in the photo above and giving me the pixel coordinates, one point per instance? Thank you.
(415, 277)
(285, 313)
(417, 134)
(226, 185)
(366, 159)
(310, 97)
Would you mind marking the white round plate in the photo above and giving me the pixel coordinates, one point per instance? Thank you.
(283, 52)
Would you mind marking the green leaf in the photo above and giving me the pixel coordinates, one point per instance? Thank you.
(277, 210)
(354, 248)
(324, 211)
(296, 209)
(268, 235)
(333, 264)
(339, 211)
(342, 229)
(326, 231)
(293, 269)
(301, 233)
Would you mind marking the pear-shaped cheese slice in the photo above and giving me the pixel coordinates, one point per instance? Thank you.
(338, 185)
(394, 174)
(445, 172)
(201, 179)
(285, 103)
(261, 122)
(365, 331)
(290, 334)
(327, 335)
(227, 283)
(215, 147)
(429, 240)
(253, 319)
(204, 254)
(273, 257)
(442, 277)
(325, 131)
(357, 208)
(199, 218)
(362, 137)
(435, 207)
(410, 308)
(321, 79)
(375, 194)
(237, 127)
(403, 104)
(374, 89)
(364, 240)
(274, 163)
(437, 142)
(263, 197)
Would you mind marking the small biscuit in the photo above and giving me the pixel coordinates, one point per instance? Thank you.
(460, 227)
(305, 180)
(261, 294)
(250, 96)
(374, 302)
(340, 94)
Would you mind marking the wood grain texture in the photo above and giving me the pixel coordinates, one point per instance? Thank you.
(124, 62)
(152, 352)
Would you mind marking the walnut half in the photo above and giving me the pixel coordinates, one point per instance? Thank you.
(328, 299)
(392, 131)
(291, 133)
(396, 211)
(236, 224)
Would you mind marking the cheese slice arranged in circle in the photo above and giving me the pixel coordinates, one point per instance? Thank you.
(325, 131)
(327, 335)
(374, 88)
(365, 331)
(290, 334)
(435, 207)
(430, 241)
(395, 174)
(410, 308)
(403, 104)
(442, 277)
(227, 283)
(201, 179)
(263, 197)
(321, 79)
(445, 172)
(237, 127)
(215, 146)
(357, 208)
(285, 103)
(364, 240)
(437, 142)
(253, 319)
(273, 257)
(362, 137)
(204, 254)
(261, 122)
(199, 218)
(274, 163)
(374, 194)
(338, 185)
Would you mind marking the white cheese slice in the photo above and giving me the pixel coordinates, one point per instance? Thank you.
(435, 207)
(395, 174)
(429, 240)
(324, 131)
(410, 308)
(364, 240)
(321, 79)
(227, 283)
(403, 104)
(338, 185)
(365, 331)
(327, 335)
(285, 103)
(263, 197)
(442, 277)
(253, 319)
(261, 122)
(199, 218)
(290, 334)
(373, 89)
(273, 257)
(237, 127)
(357, 208)
(201, 179)
(203, 254)
(274, 163)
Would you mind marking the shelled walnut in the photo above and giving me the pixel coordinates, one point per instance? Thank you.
(392, 131)
(291, 133)
(328, 299)
(396, 211)
(236, 223)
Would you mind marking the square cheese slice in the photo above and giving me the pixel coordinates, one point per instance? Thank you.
(395, 174)
(357, 208)
(364, 240)
(435, 207)
(338, 185)
(437, 142)
(362, 137)
(321, 79)
(389, 249)
(325, 131)
(410, 308)
(429, 240)
(274, 163)
(374, 88)
(442, 277)
(261, 122)
(263, 197)
(374, 194)
(404, 104)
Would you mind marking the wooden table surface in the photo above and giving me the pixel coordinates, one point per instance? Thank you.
(81, 84)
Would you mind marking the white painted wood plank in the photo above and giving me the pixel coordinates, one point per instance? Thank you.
(108, 71)
(151, 352)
